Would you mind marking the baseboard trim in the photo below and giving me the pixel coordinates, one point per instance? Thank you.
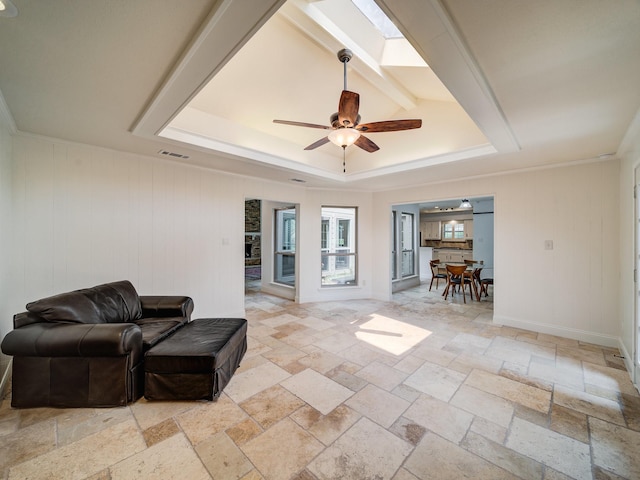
(628, 362)
(6, 379)
(566, 332)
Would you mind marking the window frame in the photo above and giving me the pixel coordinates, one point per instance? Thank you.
(340, 251)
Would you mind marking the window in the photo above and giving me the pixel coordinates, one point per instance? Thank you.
(394, 243)
(453, 231)
(403, 245)
(408, 255)
(338, 246)
(285, 246)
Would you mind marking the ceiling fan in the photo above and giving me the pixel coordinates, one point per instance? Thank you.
(345, 127)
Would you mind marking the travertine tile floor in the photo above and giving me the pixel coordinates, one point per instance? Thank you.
(417, 388)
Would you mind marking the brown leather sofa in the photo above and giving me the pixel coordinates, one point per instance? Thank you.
(86, 348)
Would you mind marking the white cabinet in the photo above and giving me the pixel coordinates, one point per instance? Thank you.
(452, 256)
(431, 230)
(468, 229)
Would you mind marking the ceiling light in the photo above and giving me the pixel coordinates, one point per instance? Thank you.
(8, 9)
(344, 137)
(465, 204)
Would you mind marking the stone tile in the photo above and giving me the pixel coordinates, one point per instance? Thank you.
(279, 320)
(408, 430)
(379, 405)
(347, 379)
(173, 458)
(465, 362)
(570, 423)
(601, 474)
(630, 405)
(244, 431)
(615, 448)
(406, 392)
(71, 431)
(453, 462)
(489, 430)
(437, 381)
(526, 395)
(610, 378)
(315, 323)
(326, 428)
(351, 455)
(482, 404)
(390, 335)
(249, 382)
(360, 355)
(271, 405)
(446, 420)
(222, 458)
(409, 364)
(160, 432)
(382, 375)
(321, 361)
(207, 419)
(79, 459)
(589, 404)
(149, 413)
(26, 443)
(317, 390)
(568, 375)
(496, 453)
(560, 452)
(337, 343)
(282, 450)
(582, 354)
(404, 474)
(284, 355)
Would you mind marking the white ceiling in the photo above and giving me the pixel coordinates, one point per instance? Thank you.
(536, 83)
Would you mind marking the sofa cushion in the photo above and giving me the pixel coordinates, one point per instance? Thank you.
(155, 329)
(116, 302)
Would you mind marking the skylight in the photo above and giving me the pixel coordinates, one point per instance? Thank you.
(377, 17)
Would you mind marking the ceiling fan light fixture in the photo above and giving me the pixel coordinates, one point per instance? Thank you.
(344, 137)
(8, 9)
(465, 204)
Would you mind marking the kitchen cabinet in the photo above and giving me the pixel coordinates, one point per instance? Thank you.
(452, 256)
(431, 230)
(468, 229)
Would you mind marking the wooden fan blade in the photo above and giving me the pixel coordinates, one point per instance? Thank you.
(348, 108)
(320, 142)
(366, 144)
(302, 124)
(389, 126)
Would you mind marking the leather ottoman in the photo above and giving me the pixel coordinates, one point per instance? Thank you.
(197, 361)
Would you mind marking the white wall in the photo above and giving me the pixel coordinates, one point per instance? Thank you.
(7, 303)
(630, 161)
(571, 290)
(85, 215)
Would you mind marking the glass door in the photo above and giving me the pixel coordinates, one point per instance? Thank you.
(285, 246)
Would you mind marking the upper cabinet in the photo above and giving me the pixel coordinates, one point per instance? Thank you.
(468, 229)
(431, 230)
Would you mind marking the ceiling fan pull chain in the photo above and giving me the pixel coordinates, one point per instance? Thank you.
(344, 160)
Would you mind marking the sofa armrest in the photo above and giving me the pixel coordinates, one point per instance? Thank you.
(74, 340)
(166, 306)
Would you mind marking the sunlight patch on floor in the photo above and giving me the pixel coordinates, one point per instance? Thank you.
(391, 335)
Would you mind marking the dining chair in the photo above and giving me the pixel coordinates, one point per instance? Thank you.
(435, 275)
(484, 286)
(477, 282)
(456, 278)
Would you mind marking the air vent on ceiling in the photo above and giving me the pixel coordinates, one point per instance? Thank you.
(172, 154)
